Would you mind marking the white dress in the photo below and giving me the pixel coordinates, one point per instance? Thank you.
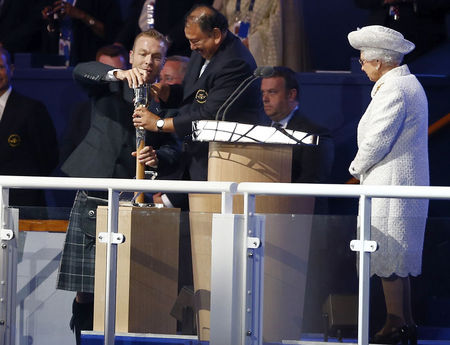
(393, 150)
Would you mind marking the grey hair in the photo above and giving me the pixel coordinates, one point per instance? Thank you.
(389, 57)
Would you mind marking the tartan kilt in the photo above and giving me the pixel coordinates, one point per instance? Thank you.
(77, 266)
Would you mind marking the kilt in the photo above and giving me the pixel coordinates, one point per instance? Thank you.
(77, 266)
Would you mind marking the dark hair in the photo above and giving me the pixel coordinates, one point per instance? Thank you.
(208, 20)
(289, 76)
(6, 54)
(112, 50)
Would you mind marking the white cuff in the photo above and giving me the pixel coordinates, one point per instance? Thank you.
(166, 201)
(110, 75)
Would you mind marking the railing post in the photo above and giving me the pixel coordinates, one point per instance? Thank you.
(252, 275)
(364, 247)
(8, 269)
(111, 268)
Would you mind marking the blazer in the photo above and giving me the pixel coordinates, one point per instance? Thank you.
(28, 145)
(106, 149)
(200, 98)
(311, 164)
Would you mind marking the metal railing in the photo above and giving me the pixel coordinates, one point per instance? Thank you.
(227, 190)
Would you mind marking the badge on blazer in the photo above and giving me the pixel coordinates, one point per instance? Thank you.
(201, 96)
(14, 140)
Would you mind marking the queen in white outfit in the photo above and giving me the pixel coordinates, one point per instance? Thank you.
(392, 150)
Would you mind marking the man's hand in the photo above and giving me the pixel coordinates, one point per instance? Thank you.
(135, 77)
(143, 117)
(160, 91)
(147, 156)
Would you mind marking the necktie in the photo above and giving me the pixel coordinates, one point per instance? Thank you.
(277, 125)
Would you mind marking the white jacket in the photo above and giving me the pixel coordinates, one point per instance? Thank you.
(393, 150)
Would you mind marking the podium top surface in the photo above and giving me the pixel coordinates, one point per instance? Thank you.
(233, 132)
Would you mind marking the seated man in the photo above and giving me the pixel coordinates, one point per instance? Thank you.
(280, 95)
(28, 144)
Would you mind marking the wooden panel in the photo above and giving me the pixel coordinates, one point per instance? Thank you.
(147, 270)
(49, 225)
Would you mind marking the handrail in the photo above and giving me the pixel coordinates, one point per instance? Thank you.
(126, 185)
(432, 129)
(342, 190)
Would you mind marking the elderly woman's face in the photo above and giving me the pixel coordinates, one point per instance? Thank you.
(371, 68)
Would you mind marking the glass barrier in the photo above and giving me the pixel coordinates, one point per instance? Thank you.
(310, 278)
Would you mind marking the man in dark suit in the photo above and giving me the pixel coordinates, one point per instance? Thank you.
(28, 144)
(106, 152)
(280, 95)
(218, 64)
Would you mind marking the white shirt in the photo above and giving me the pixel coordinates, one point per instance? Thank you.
(3, 100)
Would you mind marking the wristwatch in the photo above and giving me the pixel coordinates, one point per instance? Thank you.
(160, 124)
(91, 21)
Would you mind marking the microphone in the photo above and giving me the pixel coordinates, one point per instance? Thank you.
(260, 72)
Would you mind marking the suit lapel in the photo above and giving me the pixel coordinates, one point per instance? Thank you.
(8, 118)
(191, 77)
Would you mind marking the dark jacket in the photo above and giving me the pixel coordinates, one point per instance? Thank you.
(200, 98)
(106, 149)
(311, 164)
(28, 145)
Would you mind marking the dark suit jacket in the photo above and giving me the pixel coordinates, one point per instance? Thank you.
(200, 98)
(106, 149)
(28, 145)
(311, 164)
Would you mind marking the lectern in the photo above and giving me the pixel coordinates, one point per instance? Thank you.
(248, 153)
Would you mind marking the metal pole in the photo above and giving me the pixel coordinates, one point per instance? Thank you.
(111, 268)
(365, 204)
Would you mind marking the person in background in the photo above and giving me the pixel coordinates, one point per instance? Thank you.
(420, 21)
(106, 152)
(167, 17)
(172, 74)
(28, 144)
(21, 25)
(280, 96)
(393, 150)
(174, 70)
(80, 118)
(273, 30)
(77, 29)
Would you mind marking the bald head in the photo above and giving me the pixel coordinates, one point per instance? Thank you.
(207, 18)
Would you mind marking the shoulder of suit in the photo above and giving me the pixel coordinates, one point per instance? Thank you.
(24, 100)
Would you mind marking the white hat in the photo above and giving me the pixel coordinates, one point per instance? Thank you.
(379, 37)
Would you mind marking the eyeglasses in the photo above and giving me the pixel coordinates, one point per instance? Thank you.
(362, 61)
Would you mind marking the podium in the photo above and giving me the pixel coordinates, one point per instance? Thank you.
(147, 270)
(235, 154)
